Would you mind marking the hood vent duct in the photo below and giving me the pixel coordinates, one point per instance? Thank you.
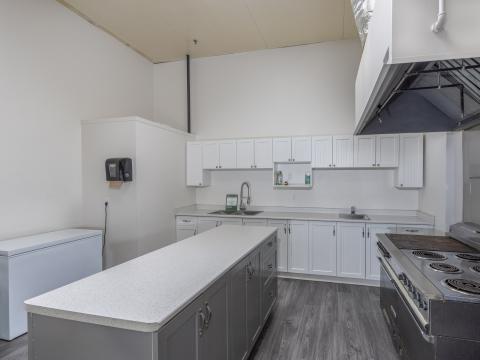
(430, 96)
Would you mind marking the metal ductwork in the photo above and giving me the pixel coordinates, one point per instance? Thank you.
(362, 11)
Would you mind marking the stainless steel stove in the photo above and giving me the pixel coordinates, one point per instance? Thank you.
(430, 293)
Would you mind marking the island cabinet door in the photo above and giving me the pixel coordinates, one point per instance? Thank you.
(178, 339)
(212, 338)
(254, 293)
(237, 312)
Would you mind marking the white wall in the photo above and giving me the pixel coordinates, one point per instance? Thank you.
(55, 70)
(170, 94)
(297, 90)
(140, 213)
(442, 193)
(365, 189)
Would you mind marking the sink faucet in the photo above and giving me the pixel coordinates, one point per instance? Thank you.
(353, 210)
(243, 206)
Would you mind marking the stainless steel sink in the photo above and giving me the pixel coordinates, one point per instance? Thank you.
(238, 213)
(354, 216)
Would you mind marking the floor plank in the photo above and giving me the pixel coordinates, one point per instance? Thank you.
(325, 321)
(312, 321)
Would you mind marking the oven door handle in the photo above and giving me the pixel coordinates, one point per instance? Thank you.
(410, 305)
(384, 251)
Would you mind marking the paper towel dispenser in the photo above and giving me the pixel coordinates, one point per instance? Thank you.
(119, 169)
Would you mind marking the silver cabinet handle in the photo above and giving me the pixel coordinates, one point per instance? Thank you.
(285, 229)
(363, 233)
(201, 320)
(334, 230)
(195, 231)
(270, 266)
(368, 233)
(289, 229)
(209, 315)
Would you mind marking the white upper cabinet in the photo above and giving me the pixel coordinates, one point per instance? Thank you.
(245, 154)
(364, 151)
(322, 152)
(210, 155)
(410, 167)
(263, 153)
(227, 158)
(387, 150)
(376, 151)
(301, 149)
(343, 151)
(195, 174)
(323, 248)
(282, 149)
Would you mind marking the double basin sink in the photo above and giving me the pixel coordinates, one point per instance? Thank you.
(253, 213)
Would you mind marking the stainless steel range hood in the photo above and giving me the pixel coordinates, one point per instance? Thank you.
(428, 96)
(420, 69)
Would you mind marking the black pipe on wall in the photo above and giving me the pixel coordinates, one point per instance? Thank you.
(189, 125)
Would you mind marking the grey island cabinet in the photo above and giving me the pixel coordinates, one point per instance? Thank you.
(205, 298)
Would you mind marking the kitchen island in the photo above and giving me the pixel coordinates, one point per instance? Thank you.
(206, 297)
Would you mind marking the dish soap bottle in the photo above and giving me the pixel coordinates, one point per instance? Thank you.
(308, 178)
(279, 178)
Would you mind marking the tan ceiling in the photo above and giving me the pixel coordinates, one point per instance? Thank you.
(165, 30)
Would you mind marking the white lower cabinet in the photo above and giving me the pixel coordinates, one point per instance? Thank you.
(298, 246)
(351, 250)
(255, 222)
(282, 243)
(371, 261)
(323, 248)
(205, 224)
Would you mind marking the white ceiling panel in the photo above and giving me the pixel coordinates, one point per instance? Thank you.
(165, 30)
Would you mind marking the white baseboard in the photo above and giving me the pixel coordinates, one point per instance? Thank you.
(332, 279)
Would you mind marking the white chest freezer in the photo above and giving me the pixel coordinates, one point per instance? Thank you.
(33, 265)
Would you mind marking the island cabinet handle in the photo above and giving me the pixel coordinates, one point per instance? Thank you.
(209, 315)
(201, 325)
(289, 229)
(270, 266)
(270, 244)
(285, 229)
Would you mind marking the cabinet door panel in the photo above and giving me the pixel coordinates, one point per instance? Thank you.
(245, 154)
(371, 261)
(298, 246)
(227, 154)
(282, 149)
(282, 243)
(237, 313)
(343, 151)
(323, 248)
(213, 343)
(263, 153)
(178, 339)
(255, 222)
(302, 149)
(322, 153)
(210, 155)
(254, 290)
(351, 250)
(364, 151)
(410, 167)
(387, 150)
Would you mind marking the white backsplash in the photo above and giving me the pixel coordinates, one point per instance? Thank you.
(365, 189)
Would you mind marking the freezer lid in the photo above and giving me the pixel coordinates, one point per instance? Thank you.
(25, 244)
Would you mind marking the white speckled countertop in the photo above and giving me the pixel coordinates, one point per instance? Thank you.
(145, 293)
(375, 216)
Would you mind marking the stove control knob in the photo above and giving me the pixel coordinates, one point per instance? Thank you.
(425, 305)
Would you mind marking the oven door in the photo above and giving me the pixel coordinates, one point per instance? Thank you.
(408, 338)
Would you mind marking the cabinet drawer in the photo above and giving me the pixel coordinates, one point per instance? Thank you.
(269, 267)
(186, 220)
(269, 297)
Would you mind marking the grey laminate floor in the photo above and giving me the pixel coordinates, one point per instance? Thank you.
(312, 321)
(325, 321)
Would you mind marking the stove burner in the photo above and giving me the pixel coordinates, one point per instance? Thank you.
(445, 268)
(469, 257)
(464, 286)
(428, 255)
(476, 268)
